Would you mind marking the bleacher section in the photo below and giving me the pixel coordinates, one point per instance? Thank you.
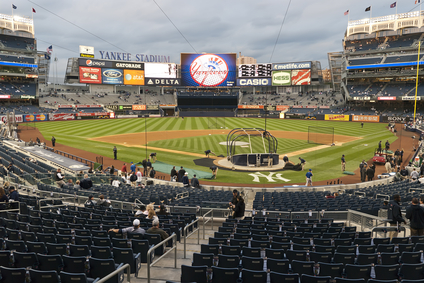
(401, 58)
(16, 59)
(16, 89)
(16, 42)
(365, 61)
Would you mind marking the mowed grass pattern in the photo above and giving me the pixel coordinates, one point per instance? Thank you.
(325, 163)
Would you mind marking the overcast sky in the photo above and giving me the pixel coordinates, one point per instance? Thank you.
(311, 28)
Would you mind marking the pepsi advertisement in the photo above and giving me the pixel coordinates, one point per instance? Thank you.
(208, 70)
(113, 76)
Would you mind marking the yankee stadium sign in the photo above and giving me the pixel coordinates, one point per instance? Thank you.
(122, 56)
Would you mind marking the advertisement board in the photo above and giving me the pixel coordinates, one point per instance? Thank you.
(61, 117)
(32, 118)
(301, 77)
(138, 107)
(208, 70)
(254, 70)
(4, 96)
(410, 97)
(336, 117)
(18, 118)
(294, 116)
(282, 107)
(387, 98)
(87, 106)
(250, 107)
(365, 118)
(133, 77)
(291, 66)
(86, 51)
(281, 78)
(160, 71)
(65, 106)
(90, 75)
(94, 63)
(162, 82)
(254, 82)
(112, 76)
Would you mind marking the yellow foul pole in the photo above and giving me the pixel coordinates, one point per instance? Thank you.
(416, 80)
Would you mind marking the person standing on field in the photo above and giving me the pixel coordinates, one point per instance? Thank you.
(309, 178)
(115, 153)
(343, 160)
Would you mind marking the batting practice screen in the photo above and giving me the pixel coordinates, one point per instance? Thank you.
(321, 135)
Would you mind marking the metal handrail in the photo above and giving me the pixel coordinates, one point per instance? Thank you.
(64, 203)
(204, 222)
(382, 195)
(194, 231)
(173, 237)
(110, 275)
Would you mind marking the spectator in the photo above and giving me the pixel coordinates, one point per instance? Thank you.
(90, 202)
(86, 183)
(124, 168)
(13, 194)
(77, 185)
(140, 212)
(363, 172)
(174, 174)
(112, 170)
(156, 230)
(162, 210)
(144, 164)
(238, 209)
(414, 175)
(370, 173)
(395, 215)
(103, 202)
(235, 195)
(116, 183)
(404, 173)
(135, 229)
(195, 182)
(3, 196)
(6, 187)
(148, 208)
(59, 178)
(139, 175)
(415, 213)
(181, 173)
(152, 214)
(133, 179)
(132, 167)
(152, 173)
(149, 167)
(185, 180)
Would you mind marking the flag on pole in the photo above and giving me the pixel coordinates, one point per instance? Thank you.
(14, 7)
(47, 57)
(367, 9)
(417, 1)
(393, 5)
(33, 10)
(49, 49)
(346, 13)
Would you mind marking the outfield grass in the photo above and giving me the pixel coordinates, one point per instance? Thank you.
(325, 162)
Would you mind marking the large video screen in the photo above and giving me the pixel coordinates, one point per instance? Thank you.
(160, 71)
(254, 70)
(208, 70)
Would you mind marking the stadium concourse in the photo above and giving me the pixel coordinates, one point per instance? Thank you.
(405, 141)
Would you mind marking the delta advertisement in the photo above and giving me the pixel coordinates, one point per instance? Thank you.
(335, 117)
(208, 70)
(35, 118)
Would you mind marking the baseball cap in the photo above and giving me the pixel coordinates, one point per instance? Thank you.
(310, 169)
(136, 222)
(185, 173)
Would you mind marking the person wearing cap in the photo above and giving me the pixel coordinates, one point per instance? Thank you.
(140, 211)
(13, 194)
(343, 163)
(90, 202)
(132, 167)
(156, 230)
(185, 180)
(309, 178)
(302, 163)
(195, 182)
(135, 229)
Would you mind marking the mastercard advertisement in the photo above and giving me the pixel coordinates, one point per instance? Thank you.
(133, 77)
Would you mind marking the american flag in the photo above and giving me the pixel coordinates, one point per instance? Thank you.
(346, 13)
(14, 7)
(49, 49)
(393, 5)
(417, 1)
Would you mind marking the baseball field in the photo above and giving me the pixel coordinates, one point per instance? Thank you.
(179, 141)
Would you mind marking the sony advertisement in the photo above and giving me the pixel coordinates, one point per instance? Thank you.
(160, 71)
(208, 70)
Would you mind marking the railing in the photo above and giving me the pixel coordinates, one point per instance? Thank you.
(119, 270)
(204, 222)
(173, 237)
(71, 156)
(366, 221)
(186, 236)
(72, 200)
(386, 197)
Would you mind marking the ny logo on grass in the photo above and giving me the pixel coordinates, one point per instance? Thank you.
(269, 177)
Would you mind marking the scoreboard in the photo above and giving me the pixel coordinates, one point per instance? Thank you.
(254, 70)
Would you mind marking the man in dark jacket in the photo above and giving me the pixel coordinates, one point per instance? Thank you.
(181, 174)
(174, 174)
(363, 172)
(144, 164)
(370, 173)
(395, 215)
(415, 214)
(86, 183)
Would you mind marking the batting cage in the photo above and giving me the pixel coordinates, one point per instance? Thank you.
(251, 146)
(321, 135)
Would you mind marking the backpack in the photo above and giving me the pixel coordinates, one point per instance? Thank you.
(133, 178)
